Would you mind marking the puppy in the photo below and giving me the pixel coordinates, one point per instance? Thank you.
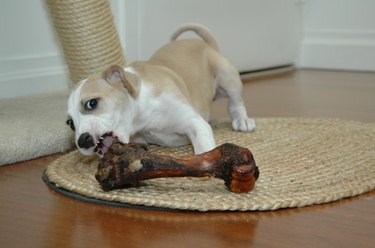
(165, 100)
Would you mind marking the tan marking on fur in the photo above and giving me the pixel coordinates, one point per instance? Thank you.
(183, 67)
(200, 30)
(160, 78)
(115, 74)
(97, 88)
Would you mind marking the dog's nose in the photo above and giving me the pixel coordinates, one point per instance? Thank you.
(85, 141)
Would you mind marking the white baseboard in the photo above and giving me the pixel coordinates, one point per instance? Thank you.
(338, 49)
(32, 75)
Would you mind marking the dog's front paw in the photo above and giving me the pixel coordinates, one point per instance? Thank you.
(243, 124)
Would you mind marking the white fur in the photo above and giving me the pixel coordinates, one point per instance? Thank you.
(148, 119)
(96, 125)
(156, 123)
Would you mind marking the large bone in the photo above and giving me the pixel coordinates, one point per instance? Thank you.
(124, 165)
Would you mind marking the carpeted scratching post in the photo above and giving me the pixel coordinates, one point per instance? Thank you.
(87, 35)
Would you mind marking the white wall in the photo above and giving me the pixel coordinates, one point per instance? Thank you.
(338, 34)
(254, 34)
(30, 60)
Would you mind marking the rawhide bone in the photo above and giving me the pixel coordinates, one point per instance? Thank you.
(124, 165)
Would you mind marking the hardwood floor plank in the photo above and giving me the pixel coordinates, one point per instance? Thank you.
(32, 215)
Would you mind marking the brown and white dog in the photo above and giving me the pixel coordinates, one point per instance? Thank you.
(165, 100)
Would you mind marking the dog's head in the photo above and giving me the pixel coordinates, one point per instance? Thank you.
(100, 109)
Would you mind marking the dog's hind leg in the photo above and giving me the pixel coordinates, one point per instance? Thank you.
(229, 84)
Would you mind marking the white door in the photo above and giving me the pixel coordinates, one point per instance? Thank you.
(254, 34)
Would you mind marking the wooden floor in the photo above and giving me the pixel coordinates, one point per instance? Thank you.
(32, 215)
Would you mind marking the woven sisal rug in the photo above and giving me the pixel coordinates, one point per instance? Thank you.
(301, 161)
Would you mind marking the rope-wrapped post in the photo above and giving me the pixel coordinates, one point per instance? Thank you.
(87, 35)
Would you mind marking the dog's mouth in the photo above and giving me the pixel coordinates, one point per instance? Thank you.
(104, 142)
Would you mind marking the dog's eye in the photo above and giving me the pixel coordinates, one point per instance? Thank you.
(71, 124)
(91, 104)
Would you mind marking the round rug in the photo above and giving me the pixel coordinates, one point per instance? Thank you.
(301, 162)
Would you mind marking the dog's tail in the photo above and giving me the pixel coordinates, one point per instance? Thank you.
(200, 30)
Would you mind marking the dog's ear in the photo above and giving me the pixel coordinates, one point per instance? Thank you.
(115, 74)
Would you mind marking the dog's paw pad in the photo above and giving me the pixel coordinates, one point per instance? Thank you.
(244, 125)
